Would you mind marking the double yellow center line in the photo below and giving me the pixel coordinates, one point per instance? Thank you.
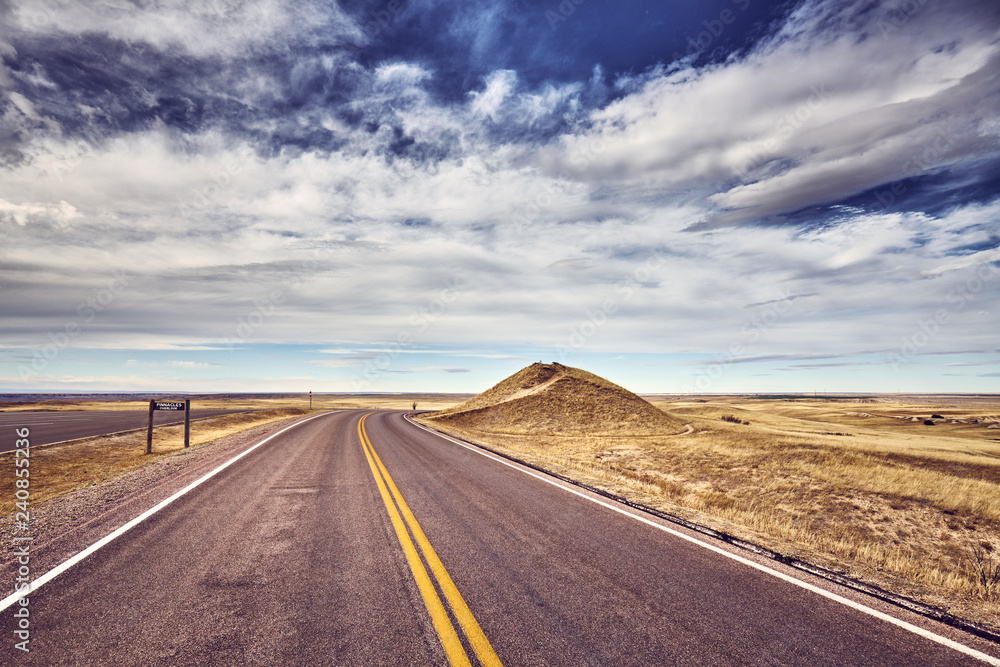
(398, 511)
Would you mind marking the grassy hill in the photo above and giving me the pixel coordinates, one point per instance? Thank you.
(552, 399)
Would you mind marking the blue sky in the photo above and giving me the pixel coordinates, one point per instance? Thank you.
(719, 196)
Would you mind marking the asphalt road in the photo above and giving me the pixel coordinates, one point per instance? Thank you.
(57, 426)
(319, 549)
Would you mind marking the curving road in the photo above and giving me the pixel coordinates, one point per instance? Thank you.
(353, 540)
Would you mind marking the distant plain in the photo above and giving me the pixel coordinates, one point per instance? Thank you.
(861, 485)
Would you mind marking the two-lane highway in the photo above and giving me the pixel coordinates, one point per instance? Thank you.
(342, 542)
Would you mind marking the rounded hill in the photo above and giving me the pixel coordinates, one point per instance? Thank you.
(552, 399)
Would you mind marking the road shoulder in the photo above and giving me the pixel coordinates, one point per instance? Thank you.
(64, 525)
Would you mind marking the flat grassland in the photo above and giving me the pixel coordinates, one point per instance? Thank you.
(862, 486)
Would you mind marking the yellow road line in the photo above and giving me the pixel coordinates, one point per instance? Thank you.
(439, 616)
(480, 644)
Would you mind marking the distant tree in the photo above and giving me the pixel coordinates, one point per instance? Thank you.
(414, 405)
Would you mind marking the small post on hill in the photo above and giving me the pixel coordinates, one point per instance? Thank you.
(187, 422)
(149, 429)
(310, 400)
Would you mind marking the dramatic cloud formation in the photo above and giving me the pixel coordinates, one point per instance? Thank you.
(424, 195)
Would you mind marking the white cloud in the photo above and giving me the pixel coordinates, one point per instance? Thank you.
(978, 259)
(60, 213)
(200, 27)
(401, 73)
(810, 118)
(189, 364)
(499, 86)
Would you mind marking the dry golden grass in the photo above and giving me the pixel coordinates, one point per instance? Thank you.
(58, 469)
(892, 501)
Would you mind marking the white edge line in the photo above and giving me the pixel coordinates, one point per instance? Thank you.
(73, 560)
(927, 634)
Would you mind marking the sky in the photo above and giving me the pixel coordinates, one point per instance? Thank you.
(428, 195)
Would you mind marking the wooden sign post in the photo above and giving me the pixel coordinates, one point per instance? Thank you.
(173, 406)
(149, 430)
(187, 422)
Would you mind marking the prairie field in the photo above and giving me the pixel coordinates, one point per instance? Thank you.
(862, 486)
